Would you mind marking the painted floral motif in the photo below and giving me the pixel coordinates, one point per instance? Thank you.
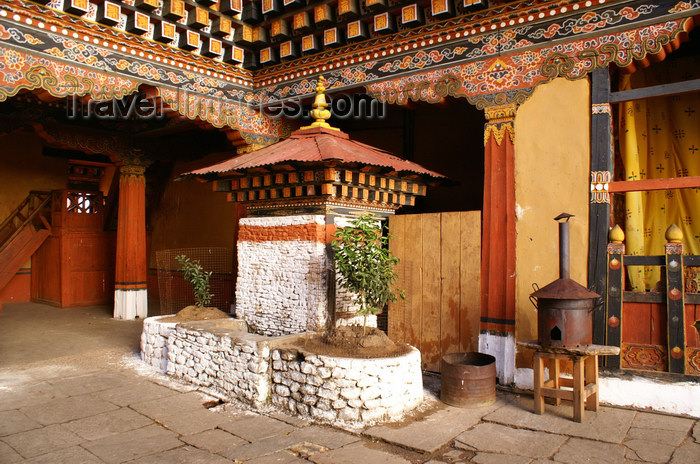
(14, 60)
(520, 72)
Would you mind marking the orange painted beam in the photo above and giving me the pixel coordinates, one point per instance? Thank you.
(654, 184)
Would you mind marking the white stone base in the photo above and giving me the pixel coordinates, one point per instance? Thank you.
(130, 304)
(501, 347)
(222, 358)
(329, 388)
(638, 392)
(154, 341)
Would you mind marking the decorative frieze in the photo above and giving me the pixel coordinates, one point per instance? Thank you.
(147, 5)
(600, 181)
(348, 9)
(357, 30)
(384, 23)
(173, 9)
(108, 13)
(76, 7)
(138, 23)
(412, 15)
(164, 32)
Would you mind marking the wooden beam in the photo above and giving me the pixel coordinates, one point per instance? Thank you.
(654, 184)
(655, 91)
(599, 212)
(675, 308)
(613, 304)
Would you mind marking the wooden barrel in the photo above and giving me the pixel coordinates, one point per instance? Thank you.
(468, 380)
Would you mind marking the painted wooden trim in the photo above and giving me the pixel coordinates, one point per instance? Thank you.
(675, 308)
(599, 213)
(613, 296)
(654, 184)
(648, 297)
(655, 91)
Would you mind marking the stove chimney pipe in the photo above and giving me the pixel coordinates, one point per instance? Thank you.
(563, 220)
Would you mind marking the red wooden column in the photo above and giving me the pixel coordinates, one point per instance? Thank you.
(498, 241)
(130, 297)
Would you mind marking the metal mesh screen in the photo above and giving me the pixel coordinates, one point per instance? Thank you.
(176, 293)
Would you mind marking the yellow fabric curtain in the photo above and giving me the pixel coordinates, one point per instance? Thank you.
(660, 138)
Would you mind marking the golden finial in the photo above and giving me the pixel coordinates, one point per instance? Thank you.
(674, 234)
(616, 235)
(320, 113)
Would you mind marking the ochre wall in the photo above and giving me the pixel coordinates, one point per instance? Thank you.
(191, 214)
(24, 168)
(552, 175)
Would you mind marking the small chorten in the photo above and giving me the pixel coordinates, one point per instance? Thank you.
(319, 169)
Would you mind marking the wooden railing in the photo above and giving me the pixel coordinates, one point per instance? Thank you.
(672, 292)
(27, 212)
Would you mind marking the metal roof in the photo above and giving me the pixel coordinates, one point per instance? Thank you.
(315, 145)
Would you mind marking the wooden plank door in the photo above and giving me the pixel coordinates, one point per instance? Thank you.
(440, 272)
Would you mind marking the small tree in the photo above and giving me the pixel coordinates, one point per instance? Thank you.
(193, 272)
(365, 264)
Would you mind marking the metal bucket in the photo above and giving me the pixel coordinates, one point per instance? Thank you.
(468, 380)
(565, 323)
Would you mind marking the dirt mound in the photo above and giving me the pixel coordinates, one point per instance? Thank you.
(196, 313)
(351, 342)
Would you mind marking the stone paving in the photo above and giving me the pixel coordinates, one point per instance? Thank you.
(105, 406)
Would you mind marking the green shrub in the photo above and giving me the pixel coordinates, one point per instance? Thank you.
(194, 274)
(365, 264)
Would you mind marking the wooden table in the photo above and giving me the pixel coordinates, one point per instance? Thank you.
(584, 385)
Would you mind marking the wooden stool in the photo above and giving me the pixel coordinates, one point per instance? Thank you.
(584, 385)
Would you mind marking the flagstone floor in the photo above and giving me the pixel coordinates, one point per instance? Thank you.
(72, 390)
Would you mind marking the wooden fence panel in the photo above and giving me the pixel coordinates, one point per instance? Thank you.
(431, 292)
(470, 279)
(440, 272)
(413, 245)
(397, 323)
(450, 278)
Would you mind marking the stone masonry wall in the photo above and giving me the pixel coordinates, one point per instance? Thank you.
(283, 267)
(221, 357)
(283, 272)
(330, 388)
(154, 341)
(223, 360)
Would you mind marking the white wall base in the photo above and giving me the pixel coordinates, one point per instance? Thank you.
(502, 347)
(638, 392)
(130, 304)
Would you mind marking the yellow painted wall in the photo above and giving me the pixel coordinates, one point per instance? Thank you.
(24, 168)
(552, 175)
(191, 214)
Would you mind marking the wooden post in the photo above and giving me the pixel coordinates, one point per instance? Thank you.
(675, 304)
(613, 293)
(538, 370)
(599, 210)
(498, 232)
(579, 387)
(591, 367)
(130, 295)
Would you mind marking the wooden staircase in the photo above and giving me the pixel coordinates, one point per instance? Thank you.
(22, 233)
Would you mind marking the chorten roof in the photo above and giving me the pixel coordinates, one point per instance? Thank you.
(316, 145)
